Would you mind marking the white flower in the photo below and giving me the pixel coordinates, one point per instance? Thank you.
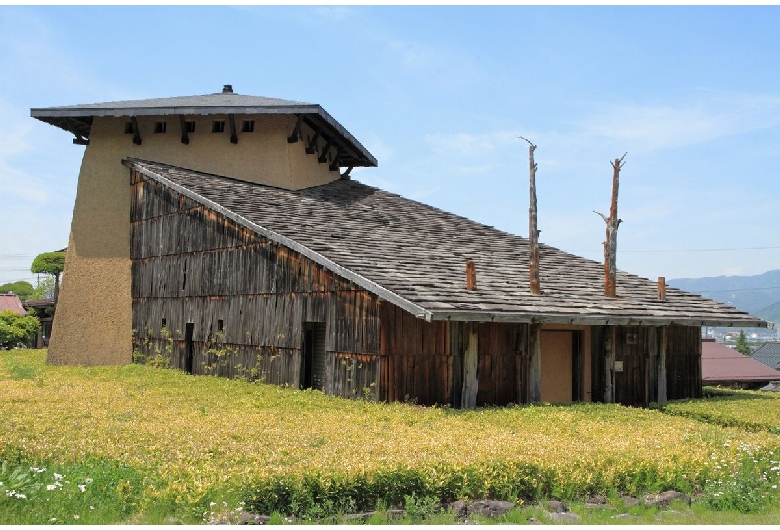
(88, 480)
(91, 507)
(82, 487)
(75, 516)
(57, 476)
(50, 487)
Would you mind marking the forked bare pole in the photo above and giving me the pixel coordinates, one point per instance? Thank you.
(533, 233)
(610, 245)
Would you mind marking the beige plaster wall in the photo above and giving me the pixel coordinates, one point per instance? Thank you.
(93, 324)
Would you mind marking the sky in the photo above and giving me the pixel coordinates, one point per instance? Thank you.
(439, 95)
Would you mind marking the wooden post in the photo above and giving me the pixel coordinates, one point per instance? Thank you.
(468, 397)
(661, 288)
(662, 366)
(652, 364)
(521, 364)
(609, 364)
(610, 245)
(533, 232)
(535, 364)
(471, 275)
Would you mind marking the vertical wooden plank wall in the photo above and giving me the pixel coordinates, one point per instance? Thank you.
(423, 361)
(683, 362)
(191, 264)
(672, 353)
(416, 356)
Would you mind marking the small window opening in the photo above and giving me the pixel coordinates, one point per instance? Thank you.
(220, 325)
(218, 126)
(184, 281)
(160, 127)
(129, 127)
(164, 322)
(190, 125)
(248, 126)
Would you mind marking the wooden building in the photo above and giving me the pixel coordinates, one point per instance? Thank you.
(271, 264)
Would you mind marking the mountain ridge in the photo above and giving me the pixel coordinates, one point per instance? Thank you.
(758, 295)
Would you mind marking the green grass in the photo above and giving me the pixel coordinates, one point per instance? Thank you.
(159, 447)
(750, 410)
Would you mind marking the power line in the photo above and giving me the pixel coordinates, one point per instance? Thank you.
(684, 250)
(734, 290)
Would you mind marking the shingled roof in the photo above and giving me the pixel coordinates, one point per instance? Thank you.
(768, 354)
(77, 119)
(11, 302)
(720, 364)
(414, 256)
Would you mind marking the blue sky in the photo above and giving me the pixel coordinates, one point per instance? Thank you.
(439, 96)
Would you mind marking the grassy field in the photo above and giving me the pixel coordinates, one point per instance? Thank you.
(140, 444)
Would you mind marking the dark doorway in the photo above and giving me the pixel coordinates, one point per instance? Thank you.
(189, 354)
(313, 358)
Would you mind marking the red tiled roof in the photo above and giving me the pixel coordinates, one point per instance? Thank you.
(12, 302)
(720, 364)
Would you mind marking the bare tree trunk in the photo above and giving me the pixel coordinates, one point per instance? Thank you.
(56, 288)
(533, 232)
(610, 244)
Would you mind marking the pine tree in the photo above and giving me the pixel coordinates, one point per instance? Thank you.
(742, 345)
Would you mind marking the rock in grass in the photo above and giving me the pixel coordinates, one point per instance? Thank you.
(565, 518)
(486, 507)
(595, 502)
(459, 508)
(665, 498)
(556, 507)
(596, 499)
(490, 508)
(630, 502)
(625, 516)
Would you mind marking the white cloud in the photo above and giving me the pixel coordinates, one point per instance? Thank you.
(467, 144)
(733, 271)
(334, 14)
(642, 128)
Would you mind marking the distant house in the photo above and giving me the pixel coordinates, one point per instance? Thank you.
(768, 354)
(44, 310)
(11, 302)
(723, 366)
(220, 231)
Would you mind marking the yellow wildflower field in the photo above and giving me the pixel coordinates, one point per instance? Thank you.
(194, 435)
(748, 409)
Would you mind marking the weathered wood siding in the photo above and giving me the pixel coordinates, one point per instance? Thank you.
(417, 363)
(638, 349)
(424, 360)
(191, 264)
(683, 362)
